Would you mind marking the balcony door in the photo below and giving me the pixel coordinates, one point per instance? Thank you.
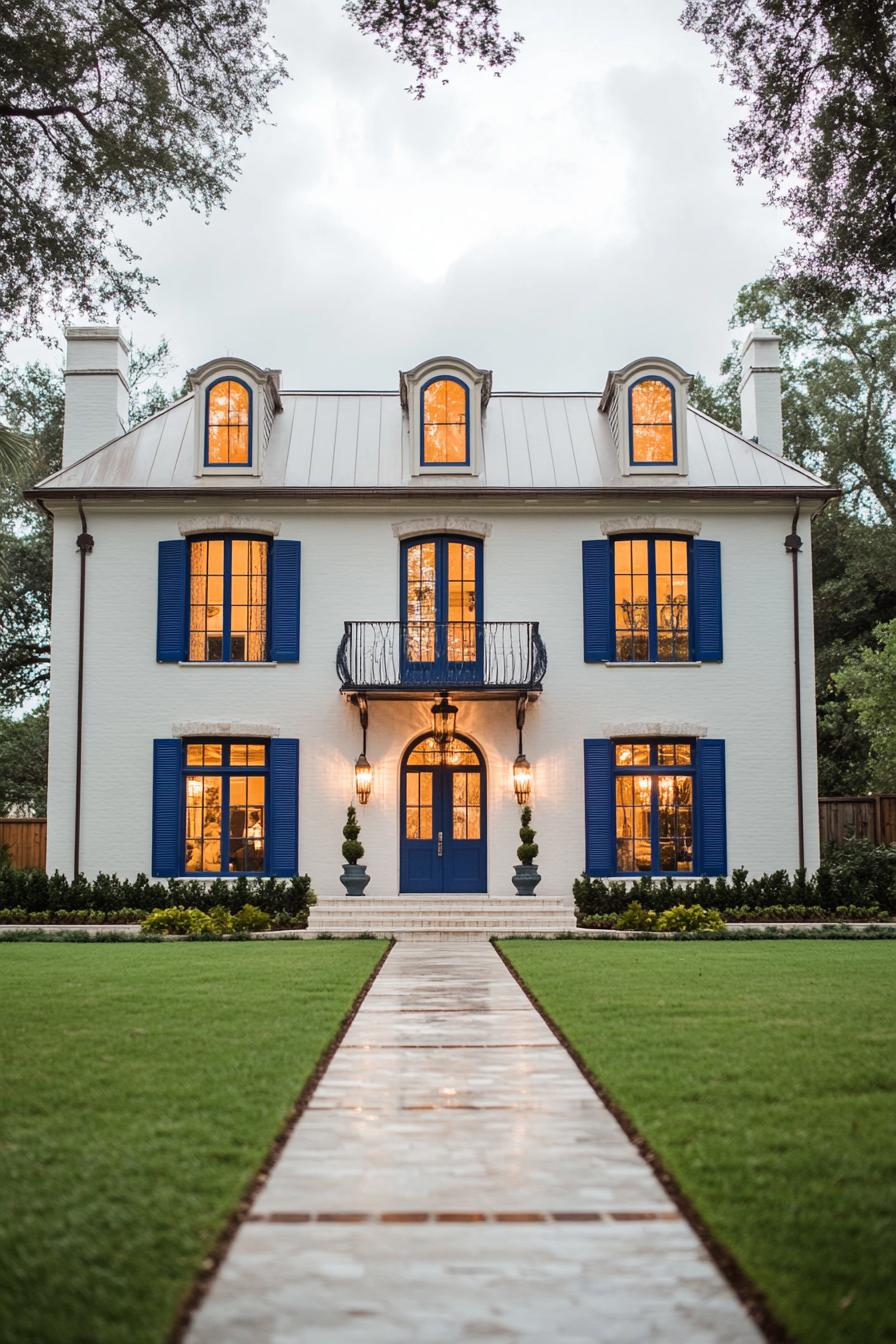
(443, 818)
(441, 605)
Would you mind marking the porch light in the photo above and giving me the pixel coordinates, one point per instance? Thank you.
(444, 717)
(522, 779)
(363, 778)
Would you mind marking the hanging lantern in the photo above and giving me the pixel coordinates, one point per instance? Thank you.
(522, 779)
(363, 778)
(444, 717)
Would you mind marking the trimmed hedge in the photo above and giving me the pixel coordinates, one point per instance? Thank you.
(857, 876)
(50, 895)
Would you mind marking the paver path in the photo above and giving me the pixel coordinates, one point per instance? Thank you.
(454, 1178)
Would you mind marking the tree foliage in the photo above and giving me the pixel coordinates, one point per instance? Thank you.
(868, 680)
(114, 107)
(429, 34)
(817, 85)
(23, 763)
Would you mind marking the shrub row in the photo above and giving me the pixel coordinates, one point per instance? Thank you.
(857, 876)
(39, 892)
(216, 922)
(637, 916)
(677, 919)
(18, 915)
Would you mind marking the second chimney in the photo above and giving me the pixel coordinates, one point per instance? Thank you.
(760, 389)
(96, 389)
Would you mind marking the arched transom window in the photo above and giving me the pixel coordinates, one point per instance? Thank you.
(228, 424)
(652, 422)
(445, 434)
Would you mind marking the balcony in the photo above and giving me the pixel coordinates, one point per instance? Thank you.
(489, 659)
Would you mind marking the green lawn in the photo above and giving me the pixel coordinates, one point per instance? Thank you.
(140, 1088)
(764, 1075)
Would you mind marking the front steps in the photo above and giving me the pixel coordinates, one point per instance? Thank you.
(444, 916)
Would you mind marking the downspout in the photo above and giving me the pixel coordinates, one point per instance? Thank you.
(84, 544)
(793, 544)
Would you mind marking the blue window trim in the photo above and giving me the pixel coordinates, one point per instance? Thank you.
(655, 770)
(228, 466)
(652, 539)
(225, 771)
(445, 378)
(647, 466)
(227, 538)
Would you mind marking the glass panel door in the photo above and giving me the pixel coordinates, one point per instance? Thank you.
(441, 611)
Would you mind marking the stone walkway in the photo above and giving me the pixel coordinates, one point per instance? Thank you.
(454, 1178)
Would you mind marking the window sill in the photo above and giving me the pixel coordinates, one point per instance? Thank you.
(196, 663)
(609, 662)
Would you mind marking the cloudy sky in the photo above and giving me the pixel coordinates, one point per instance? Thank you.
(551, 224)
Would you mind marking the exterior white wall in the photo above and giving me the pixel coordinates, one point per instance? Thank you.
(350, 571)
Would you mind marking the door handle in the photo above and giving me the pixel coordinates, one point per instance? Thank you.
(439, 851)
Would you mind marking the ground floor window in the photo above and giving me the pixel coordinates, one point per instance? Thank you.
(654, 806)
(224, 807)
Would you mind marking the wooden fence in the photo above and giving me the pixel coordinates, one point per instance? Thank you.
(870, 816)
(26, 840)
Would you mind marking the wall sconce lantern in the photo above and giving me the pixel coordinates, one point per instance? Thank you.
(363, 777)
(522, 779)
(444, 717)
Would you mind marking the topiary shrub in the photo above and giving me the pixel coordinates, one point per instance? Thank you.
(527, 852)
(352, 849)
(689, 919)
(251, 920)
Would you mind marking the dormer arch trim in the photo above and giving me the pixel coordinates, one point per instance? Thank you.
(443, 401)
(646, 403)
(235, 402)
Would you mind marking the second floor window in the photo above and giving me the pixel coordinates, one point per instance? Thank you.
(228, 600)
(445, 438)
(651, 405)
(651, 599)
(228, 430)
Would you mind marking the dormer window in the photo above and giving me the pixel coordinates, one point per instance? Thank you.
(445, 423)
(444, 402)
(651, 421)
(646, 406)
(235, 404)
(228, 424)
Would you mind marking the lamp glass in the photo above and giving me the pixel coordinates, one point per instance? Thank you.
(363, 778)
(522, 780)
(444, 717)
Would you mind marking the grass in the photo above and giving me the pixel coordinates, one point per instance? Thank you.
(142, 1086)
(764, 1076)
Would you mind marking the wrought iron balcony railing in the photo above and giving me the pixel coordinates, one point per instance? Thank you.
(438, 655)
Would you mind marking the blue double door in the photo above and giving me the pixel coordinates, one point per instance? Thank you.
(441, 599)
(443, 842)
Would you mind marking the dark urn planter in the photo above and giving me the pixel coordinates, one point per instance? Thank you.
(354, 878)
(526, 878)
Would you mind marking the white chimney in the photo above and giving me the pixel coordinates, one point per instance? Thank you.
(760, 389)
(96, 389)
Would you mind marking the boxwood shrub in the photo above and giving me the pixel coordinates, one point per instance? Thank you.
(51, 894)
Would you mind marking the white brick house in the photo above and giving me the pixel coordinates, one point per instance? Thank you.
(269, 567)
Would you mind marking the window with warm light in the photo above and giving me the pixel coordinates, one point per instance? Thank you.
(228, 424)
(652, 434)
(654, 805)
(651, 599)
(228, 609)
(225, 807)
(444, 423)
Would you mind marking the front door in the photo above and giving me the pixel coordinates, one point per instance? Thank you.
(441, 611)
(443, 818)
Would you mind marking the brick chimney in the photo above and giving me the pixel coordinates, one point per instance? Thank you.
(760, 389)
(96, 389)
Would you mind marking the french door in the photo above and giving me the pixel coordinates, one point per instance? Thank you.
(441, 601)
(443, 818)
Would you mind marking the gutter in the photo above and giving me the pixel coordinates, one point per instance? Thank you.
(84, 544)
(249, 486)
(793, 545)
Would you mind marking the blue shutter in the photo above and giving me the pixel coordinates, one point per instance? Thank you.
(713, 846)
(171, 617)
(600, 829)
(597, 601)
(283, 810)
(706, 601)
(286, 571)
(166, 757)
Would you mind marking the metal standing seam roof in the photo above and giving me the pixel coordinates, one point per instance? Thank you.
(359, 440)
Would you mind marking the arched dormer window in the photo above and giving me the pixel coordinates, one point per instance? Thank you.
(646, 405)
(444, 403)
(228, 424)
(445, 422)
(235, 405)
(651, 421)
